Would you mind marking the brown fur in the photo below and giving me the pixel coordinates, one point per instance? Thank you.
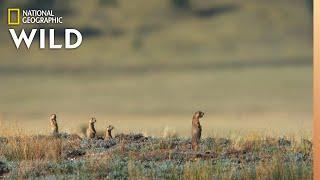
(91, 131)
(196, 130)
(54, 124)
(108, 132)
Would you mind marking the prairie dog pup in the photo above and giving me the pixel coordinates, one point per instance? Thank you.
(196, 130)
(91, 131)
(54, 124)
(108, 132)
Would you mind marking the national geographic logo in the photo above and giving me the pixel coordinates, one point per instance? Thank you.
(14, 16)
(17, 16)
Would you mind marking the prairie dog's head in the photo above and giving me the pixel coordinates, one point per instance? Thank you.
(198, 114)
(53, 117)
(110, 128)
(93, 120)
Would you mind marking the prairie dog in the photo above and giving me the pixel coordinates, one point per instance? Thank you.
(196, 130)
(108, 132)
(91, 131)
(54, 124)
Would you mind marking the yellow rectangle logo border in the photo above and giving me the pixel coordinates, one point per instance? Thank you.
(9, 16)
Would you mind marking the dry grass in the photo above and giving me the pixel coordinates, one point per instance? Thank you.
(20, 146)
(169, 132)
(32, 148)
(214, 124)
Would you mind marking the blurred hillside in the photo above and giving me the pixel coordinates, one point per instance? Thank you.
(152, 34)
(164, 57)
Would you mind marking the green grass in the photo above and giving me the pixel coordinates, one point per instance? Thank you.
(232, 91)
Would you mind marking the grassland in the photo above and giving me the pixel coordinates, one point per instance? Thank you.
(134, 156)
(145, 66)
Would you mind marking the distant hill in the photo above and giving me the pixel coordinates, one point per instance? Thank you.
(124, 33)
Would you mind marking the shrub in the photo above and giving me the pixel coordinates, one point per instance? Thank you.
(181, 4)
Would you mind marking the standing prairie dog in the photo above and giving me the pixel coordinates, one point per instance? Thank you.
(54, 124)
(196, 130)
(91, 131)
(108, 132)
